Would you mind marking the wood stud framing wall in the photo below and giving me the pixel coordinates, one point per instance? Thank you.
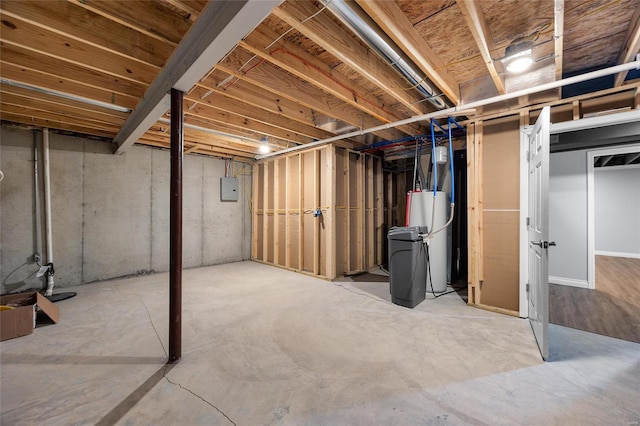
(347, 187)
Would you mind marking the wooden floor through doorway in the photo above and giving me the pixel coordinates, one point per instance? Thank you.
(612, 309)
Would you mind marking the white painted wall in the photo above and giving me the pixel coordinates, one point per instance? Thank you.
(617, 210)
(568, 261)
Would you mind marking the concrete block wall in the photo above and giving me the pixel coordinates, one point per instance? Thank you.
(110, 212)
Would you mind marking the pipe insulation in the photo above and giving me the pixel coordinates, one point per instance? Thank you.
(466, 109)
(47, 208)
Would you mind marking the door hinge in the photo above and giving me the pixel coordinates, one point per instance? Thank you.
(527, 287)
(528, 221)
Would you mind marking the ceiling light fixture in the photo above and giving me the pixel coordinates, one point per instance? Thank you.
(264, 147)
(518, 56)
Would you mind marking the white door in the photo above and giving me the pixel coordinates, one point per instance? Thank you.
(538, 230)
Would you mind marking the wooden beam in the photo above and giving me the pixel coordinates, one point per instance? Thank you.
(370, 218)
(221, 25)
(150, 18)
(255, 96)
(192, 12)
(30, 120)
(330, 218)
(576, 110)
(310, 68)
(254, 210)
(276, 209)
(69, 72)
(53, 100)
(205, 143)
(44, 104)
(361, 212)
(293, 131)
(316, 224)
(271, 78)
(326, 32)
(301, 173)
(631, 45)
(474, 17)
(558, 35)
(379, 205)
(288, 208)
(49, 82)
(265, 209)
(389, 16)
(217, 114)
(472, 218)
(44, 114)
(25, 35)
(75, 23)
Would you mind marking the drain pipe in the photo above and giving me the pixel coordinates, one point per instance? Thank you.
(36, 200)
(47, 209)
(362, 25)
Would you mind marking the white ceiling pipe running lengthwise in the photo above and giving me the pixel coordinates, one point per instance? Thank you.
(465, 109)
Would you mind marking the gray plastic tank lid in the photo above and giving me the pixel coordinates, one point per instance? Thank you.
(407, 233)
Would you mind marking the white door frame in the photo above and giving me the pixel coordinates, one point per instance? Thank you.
(568, 126)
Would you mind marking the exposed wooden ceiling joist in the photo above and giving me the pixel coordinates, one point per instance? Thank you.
(275, 80)
(631, 45)
(394, 22)
(325, 32)
(222, 25)
(477, 24)
(558, 36)
(308, 67)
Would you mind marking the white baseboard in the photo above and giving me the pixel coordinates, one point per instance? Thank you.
(569, 281)
(617, 254)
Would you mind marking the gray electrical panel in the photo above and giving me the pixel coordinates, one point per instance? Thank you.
(228, 189)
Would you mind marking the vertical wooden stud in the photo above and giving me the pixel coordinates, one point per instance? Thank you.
(265, 212)
(287, 209)
(316, 223)
(471, 212)
(379, 211)
(480, 208)
(576, 110)
(330, 219)
(276, 209)
(361, 212)
(300, 212)
(347, 191)
(370, 204)
(254, 212)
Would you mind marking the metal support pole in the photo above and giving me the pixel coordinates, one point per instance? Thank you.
(175, 227)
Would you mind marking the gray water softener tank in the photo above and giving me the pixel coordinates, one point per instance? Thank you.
(407, 265)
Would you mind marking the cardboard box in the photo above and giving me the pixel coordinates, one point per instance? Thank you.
(21, 320)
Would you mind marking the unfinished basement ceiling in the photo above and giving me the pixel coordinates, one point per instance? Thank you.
(301, 75)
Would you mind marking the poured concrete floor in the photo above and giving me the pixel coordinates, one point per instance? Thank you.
(266, 346)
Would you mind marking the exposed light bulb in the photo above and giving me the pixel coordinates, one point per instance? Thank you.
(519, 62)
(264, 148)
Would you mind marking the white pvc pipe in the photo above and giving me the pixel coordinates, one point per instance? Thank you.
(460, 109)
(47, 207)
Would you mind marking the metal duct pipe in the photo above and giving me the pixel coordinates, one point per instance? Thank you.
(361, 24)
